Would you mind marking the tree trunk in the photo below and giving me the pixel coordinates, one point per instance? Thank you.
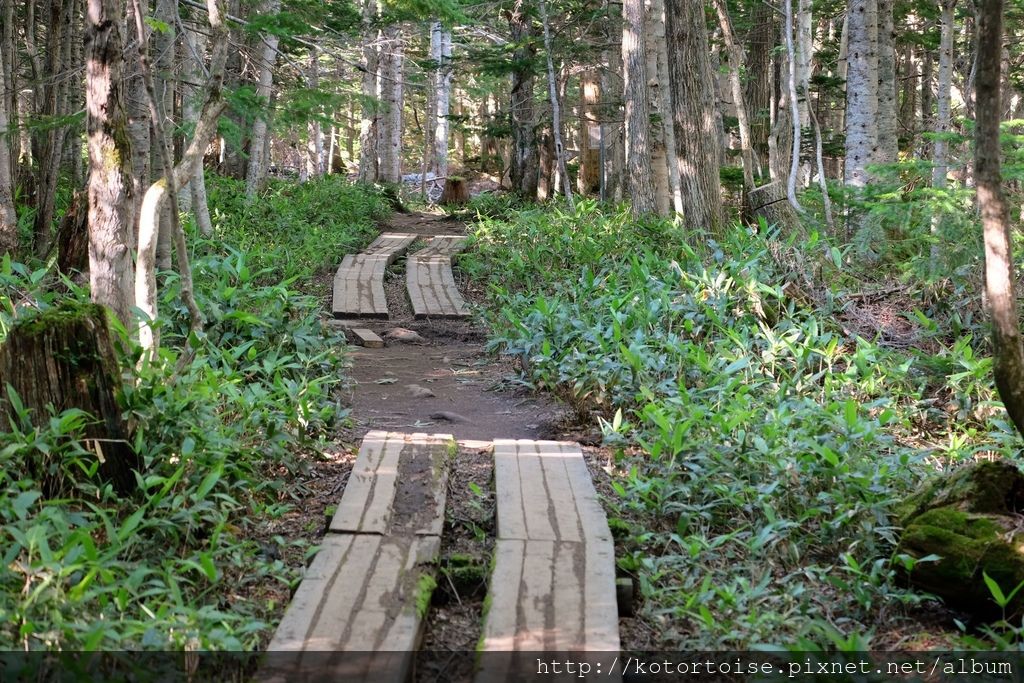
(758, 93)
(314, 131)
(612, 130)
(694, 114)
(591, 121)
(8, 217)
(64, 359)
(798, 110)
(443, 104)
(735, 53)
(110, 258)
(392, 62)
(1008, 347)
(556, 114)
(638, 120)
(257, 173)
(140, 135)
(888, 140)
(162, 58)
(770, 203)
(861, 97)
(193, 100)
(369, 122)
(660, 118)
(156, 195)
(524, 166)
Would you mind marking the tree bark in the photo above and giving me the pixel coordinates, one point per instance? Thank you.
(392, 63)
(156, 195)
(591, 122)
(697, 150)
(1008, 346)
(799, 110)
(195, 59)
(659, 117)
(524, 163)
(369, 121)
(8, 217)
(257, 173)
(64, 359)
(735, 53)
(443, 103)
(888, 140)
(638, 120)
(556, 114)
(110, 184)
(861, 98)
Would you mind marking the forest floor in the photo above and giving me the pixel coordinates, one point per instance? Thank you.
(436, 376)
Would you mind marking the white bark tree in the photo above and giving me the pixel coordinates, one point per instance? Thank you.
(257, 171)
(861, 94)
(392, 63)
(443, 94)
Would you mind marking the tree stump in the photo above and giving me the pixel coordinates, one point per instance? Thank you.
(770, 202)
(64, 358)
(455, 193)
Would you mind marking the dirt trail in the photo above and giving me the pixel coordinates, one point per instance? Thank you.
(443, 381)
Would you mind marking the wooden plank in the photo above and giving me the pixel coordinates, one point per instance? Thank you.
(544, 492)
(433, 292)
(398, 485)
(358, 287)
(552, 596)
(367, 338)
(360, 594)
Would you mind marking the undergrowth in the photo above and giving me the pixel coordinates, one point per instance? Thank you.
(760, 448)
(176, 565)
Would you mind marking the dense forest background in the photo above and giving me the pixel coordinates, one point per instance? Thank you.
(765, 249)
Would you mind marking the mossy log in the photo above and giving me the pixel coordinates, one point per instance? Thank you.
(455, 193)
(62, 359)
(971, 521)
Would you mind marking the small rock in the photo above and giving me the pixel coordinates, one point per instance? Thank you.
(401, 334)
(416, 391)
(445, 415)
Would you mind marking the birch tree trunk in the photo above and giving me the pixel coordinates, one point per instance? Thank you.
(392, 62)
(888, 141)
(735, 53)
(444, 96)
(257, 173)
(556, 114)
(8, 217)
(697, 150)
(638, 120)
(799, 110)
(369, 121)
(110, 258)
(157, 194)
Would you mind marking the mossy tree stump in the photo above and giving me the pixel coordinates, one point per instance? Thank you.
(971, 520)
(455, 193)
(62, 359)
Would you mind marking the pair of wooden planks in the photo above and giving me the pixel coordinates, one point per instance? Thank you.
(359, 283)
(367, 589)
(553, 586)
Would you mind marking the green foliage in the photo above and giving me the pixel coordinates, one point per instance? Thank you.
(295, 230)
(220, 423)
(764, 450)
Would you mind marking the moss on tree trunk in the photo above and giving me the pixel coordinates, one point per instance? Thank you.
(61, 359)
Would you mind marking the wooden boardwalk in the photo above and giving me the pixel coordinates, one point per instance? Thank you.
(368, 588)
(429, 280)
(359, 282)
(553, 586)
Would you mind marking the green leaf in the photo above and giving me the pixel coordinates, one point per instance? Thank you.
(24, 501)
(994, 589)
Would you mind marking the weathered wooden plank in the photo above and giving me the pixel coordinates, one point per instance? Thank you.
(430, 282)
(360, 593)
(397, 485)
(367, 338)
(552, 596)
(358, 287)
(544, 492)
